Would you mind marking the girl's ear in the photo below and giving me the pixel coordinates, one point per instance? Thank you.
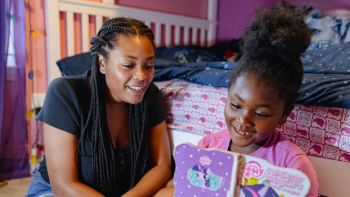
(284, 118)
(102, 63)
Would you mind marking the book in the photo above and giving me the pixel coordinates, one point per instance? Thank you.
(212, 172)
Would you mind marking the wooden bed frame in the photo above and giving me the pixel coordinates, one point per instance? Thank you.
(207, 28)
(333, 176)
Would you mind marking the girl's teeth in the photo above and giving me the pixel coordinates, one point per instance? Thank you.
(243, 133)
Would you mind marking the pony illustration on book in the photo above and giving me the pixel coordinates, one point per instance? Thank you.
(204, 177)
(259, 190)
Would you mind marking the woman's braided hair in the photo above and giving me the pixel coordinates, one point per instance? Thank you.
(272, 46)
(96, 129)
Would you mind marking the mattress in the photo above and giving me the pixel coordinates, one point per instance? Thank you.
(199, 109)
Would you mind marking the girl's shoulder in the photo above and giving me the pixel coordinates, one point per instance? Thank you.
(220, 140)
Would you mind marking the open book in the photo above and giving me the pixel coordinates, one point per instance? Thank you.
(213, 172)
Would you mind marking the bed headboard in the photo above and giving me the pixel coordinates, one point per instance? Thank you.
(178, 29)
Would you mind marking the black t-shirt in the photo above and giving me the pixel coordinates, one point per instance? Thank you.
(66, 107)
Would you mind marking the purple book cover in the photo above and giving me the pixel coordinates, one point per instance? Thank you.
(213, 172)
(204, 172)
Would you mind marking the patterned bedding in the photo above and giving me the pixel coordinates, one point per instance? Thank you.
(199, 109)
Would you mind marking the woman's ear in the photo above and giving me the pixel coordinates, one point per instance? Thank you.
(102, 63)
(285, 116)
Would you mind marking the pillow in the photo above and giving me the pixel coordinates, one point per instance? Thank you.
(75, 65)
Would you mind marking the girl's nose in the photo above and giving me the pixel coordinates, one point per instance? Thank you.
(244, 120)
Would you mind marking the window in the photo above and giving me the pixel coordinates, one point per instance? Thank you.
(11, 60)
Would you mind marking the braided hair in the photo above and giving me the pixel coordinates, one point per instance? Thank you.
(96, 130)
(272, 46)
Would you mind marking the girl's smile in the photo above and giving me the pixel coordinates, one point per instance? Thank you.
(252, 112)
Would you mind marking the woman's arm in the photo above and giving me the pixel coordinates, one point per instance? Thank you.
(62, 164)
(157, 177)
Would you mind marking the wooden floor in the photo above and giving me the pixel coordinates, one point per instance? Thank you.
(14, 187)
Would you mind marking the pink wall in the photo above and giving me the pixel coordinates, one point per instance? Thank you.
(35, 58)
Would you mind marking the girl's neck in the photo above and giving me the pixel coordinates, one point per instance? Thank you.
(248, 149)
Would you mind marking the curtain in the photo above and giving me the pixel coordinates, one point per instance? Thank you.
(14, 162)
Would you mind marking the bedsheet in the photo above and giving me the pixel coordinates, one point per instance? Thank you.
(326, 79)
(199, 109)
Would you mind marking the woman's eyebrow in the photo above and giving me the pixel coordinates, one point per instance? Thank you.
(135, 58)
(130, 56)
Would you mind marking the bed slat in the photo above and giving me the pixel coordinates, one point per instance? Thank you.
(186, 35)
(148, 23)
(99, 22)
(177, 35)
(202, 39)
(85, 32)
(167, 35)
(70, 34)
(158, 35)
(194, 36)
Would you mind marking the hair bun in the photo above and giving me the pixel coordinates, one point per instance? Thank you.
(280, 32)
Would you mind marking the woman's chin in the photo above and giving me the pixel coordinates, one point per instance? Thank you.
(134, 101)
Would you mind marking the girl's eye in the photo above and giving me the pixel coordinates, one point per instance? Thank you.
(262, 115)
(235, 106)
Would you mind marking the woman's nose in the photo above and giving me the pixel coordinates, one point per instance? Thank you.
(140, 75)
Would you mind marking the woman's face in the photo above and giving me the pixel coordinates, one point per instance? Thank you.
(129, 69)
(252, 111)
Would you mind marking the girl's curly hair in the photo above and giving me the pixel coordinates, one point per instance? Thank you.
(272, 46)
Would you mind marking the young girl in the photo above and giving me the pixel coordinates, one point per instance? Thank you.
(263, 90)
(105, 131)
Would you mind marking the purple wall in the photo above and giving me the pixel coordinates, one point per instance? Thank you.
(235, 15)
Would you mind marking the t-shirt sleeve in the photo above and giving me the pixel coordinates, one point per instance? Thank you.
(60, 107)
(303, 163)
(156, 109)
(202, 143)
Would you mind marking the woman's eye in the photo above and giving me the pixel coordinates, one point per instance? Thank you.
(262, 115)
(235, 106)
(128, 66)
(150, 66)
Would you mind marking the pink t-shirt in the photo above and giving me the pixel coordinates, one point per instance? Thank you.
(277, 150)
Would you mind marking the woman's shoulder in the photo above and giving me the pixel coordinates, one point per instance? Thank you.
(69, 82)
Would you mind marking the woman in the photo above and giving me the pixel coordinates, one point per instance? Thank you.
(105, 131)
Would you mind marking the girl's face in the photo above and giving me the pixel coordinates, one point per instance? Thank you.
(129, 69)
(252, 111)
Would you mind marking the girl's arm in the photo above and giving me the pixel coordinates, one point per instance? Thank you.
(62, 164)
(158, 176)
